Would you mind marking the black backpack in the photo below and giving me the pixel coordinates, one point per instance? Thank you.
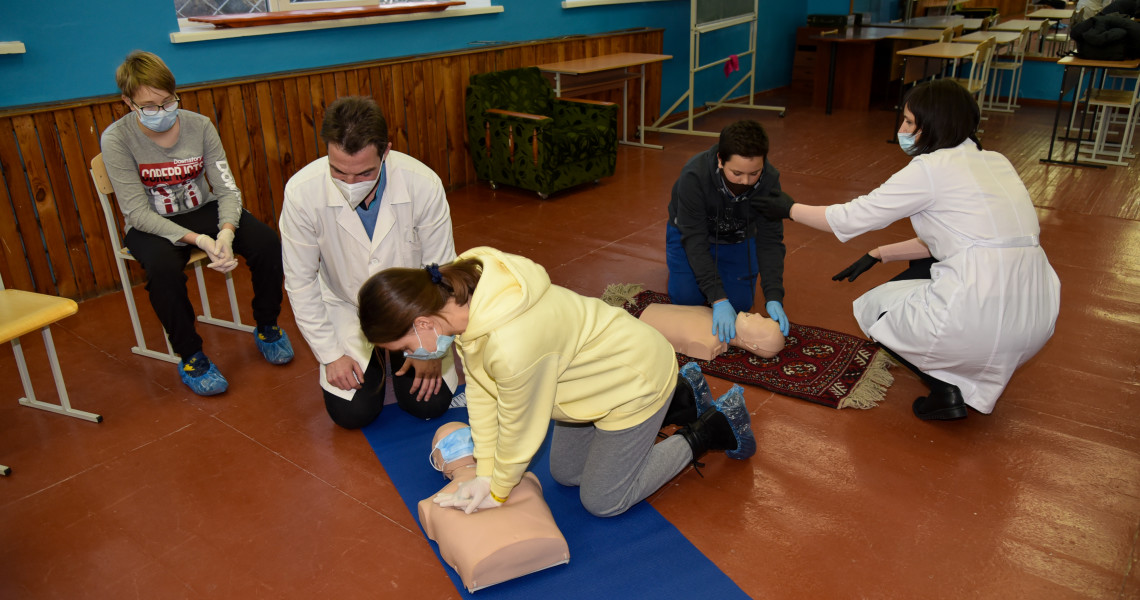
(1107, 37)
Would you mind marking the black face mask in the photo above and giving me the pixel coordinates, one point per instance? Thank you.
(737, 189)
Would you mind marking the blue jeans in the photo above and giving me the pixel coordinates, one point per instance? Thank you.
(735, 263)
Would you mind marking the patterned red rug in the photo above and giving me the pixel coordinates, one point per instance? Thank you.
(818, 365)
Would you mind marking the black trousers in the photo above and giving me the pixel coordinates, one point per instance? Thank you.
(918, 269)
(368, 401)
(165, 266)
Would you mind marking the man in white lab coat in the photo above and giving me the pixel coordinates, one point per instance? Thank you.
(359, 210)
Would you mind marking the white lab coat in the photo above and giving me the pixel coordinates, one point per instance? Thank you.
(327, 254)
(992, 299)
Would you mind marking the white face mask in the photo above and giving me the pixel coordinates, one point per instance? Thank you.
(355, 193)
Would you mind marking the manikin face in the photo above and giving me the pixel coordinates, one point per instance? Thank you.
(354, 168)
(742, 170)
(908, 125)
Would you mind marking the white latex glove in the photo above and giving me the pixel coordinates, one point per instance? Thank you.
(223, 259)
(207, 244)
(225, 243)
(470, 496)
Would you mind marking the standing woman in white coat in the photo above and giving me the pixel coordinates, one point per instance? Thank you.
(980, 297)
(360, 210)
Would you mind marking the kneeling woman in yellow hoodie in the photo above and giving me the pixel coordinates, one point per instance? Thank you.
(533, 351)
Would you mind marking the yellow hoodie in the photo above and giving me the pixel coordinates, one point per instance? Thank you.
(534, 351)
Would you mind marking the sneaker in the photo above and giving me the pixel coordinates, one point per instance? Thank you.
(692, 373)
(201, 376)
(459, 400)
(731, 404)
(273, 344)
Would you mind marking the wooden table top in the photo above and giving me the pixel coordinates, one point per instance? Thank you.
(918, 35)
(1051, 13)
(858, 34)
(1018, 25)
(1000, 37)
(605, 62)
(947, 50)
(1072, 61)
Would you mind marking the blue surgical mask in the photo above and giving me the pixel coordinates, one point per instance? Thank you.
(906, 142)
(453, 446)
(163, 121)
(442, 345)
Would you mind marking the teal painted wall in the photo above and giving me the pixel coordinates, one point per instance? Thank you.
(73, 46)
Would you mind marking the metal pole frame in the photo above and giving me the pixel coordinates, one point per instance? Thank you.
(695, 66)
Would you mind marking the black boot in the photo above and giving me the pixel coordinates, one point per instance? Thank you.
(683, 406)
(944, 403)
(711, 431)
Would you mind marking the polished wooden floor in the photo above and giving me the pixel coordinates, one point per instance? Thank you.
(256, 494)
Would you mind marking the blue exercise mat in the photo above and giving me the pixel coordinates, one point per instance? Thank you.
(638, 554)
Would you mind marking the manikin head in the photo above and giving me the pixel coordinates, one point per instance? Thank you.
(450, 467)
(758, 334)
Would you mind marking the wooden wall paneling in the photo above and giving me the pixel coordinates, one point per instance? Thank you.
(463, 76)
(272, 107)
(417, 111)
(98, 241)
(189, 101)
(40, 207)
(448, 81)
(435, 118)
(56, 130)
(366, 83)
(262, 145)
(299, 112)
(341, 82)
(319, 102)
(352, 79)
(398, 133)
(231, 128)
(14, 268)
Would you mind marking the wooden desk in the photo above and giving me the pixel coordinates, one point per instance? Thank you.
(1053, 14)
(1001, 38)
(917, 35)
(609, 71)
(1069, 82)
(941, 52)
(857, 66)
(1018, 25)
(934, 23)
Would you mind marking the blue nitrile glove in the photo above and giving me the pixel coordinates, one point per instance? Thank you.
(776, 311)
(724, 320)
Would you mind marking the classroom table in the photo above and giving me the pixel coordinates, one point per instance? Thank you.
(1001, 38)
(917, 35)
(858, 59)
(608, 71)
(1053, 14)
(940, 52)
(934, 23)
(1069, 82)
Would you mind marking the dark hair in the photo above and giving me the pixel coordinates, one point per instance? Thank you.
(742, 138)
(945, 113)
(392, 299)
(353, 123)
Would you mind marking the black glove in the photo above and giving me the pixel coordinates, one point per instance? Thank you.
(777, 206)
(856, 269)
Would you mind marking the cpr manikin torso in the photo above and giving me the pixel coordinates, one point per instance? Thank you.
(493, 545)
(689, 329)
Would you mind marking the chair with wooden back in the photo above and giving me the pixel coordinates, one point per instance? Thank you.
(1013, 66)
(1114, 107)
(104, 190)
(22, 313)
(976, 81)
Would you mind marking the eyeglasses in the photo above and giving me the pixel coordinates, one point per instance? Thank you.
(151, 110)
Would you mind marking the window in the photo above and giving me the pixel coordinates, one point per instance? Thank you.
(203, 8)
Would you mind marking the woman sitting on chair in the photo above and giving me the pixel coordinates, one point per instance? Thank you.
(176, 191)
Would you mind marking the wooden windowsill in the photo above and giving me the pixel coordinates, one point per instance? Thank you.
(12, 48)
(581, 3)
(190, 31)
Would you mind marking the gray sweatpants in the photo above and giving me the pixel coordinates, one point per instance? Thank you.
(616, 469)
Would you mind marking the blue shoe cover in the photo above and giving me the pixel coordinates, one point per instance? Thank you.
(701, 393)
(731, 405)
(279, 351)
(201, 376)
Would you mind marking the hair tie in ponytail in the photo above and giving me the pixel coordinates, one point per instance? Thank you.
(433, 271)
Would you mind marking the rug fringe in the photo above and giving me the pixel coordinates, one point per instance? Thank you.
(617, 294)
(872, 386)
